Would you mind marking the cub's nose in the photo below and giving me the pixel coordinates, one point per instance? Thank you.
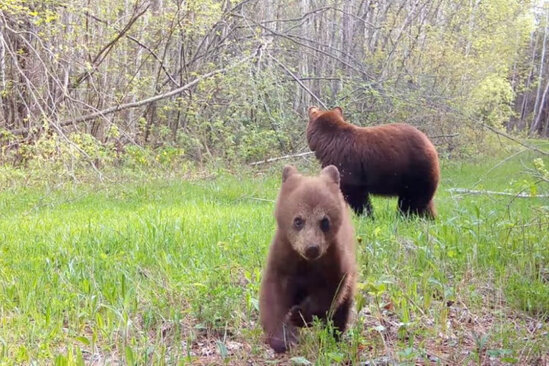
(312, 251)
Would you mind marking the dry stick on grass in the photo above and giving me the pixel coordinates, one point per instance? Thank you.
(139, 103)
(517, 195)
(281, 158)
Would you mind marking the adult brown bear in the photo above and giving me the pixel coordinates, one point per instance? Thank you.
(311, 268)
(390, 160)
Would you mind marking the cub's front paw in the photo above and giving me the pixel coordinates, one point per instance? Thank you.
(278, 345)
(282, 342)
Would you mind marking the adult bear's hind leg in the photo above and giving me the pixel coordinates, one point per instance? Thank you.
(429, 211)
(416, 206)
(358, 199)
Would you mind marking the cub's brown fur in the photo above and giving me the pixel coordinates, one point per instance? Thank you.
(311, 269)
(391, 160)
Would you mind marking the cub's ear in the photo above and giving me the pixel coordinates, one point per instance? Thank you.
(287, 172)
(313, 112)
(331, 173)
(339, 111)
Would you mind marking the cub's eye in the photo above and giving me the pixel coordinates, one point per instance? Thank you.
(325, 224)
(298, 223)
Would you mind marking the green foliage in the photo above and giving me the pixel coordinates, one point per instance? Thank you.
(137, 156)
(539, 165)
(257, 145)
(529, 293)
(495, 96)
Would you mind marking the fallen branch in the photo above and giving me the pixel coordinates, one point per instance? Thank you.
(518, 195)
(281, 158)
(139, 103)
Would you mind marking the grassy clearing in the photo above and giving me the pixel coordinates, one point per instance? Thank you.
(168, 272)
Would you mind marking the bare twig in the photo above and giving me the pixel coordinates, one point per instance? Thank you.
(471, 122)
(517, 195)
(270, 160)
(293, 39)
(533, 148)
(257, 199)
(298, 81)
(102, 54)
(136, 41)
(498, 164)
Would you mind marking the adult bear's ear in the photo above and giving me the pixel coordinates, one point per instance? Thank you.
(313, 112)
(339, 111)
(331, 173)
(287, 172)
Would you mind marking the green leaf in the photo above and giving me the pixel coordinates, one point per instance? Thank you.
(300, 361)
(533, 189)
(130, 360)
(84, 340)
(336, 356)
(222, 349)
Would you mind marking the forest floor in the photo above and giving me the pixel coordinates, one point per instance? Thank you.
(167, 271)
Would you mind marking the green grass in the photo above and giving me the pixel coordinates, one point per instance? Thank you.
(168, 272)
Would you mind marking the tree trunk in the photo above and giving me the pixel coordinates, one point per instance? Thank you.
(535, 119)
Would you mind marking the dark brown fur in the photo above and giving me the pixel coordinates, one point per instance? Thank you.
(390, 160)
(295, 287)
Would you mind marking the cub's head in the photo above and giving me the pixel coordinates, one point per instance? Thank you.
(310, 210)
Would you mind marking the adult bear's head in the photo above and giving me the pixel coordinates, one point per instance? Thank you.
(316, 115)
(324, 124)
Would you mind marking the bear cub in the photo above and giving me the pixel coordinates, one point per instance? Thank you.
(311, 268)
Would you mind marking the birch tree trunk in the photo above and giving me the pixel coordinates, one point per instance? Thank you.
(535, 119)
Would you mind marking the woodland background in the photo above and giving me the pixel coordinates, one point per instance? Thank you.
(155, 81)
(129, 201)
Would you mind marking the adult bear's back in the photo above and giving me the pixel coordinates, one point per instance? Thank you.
(393, 160)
